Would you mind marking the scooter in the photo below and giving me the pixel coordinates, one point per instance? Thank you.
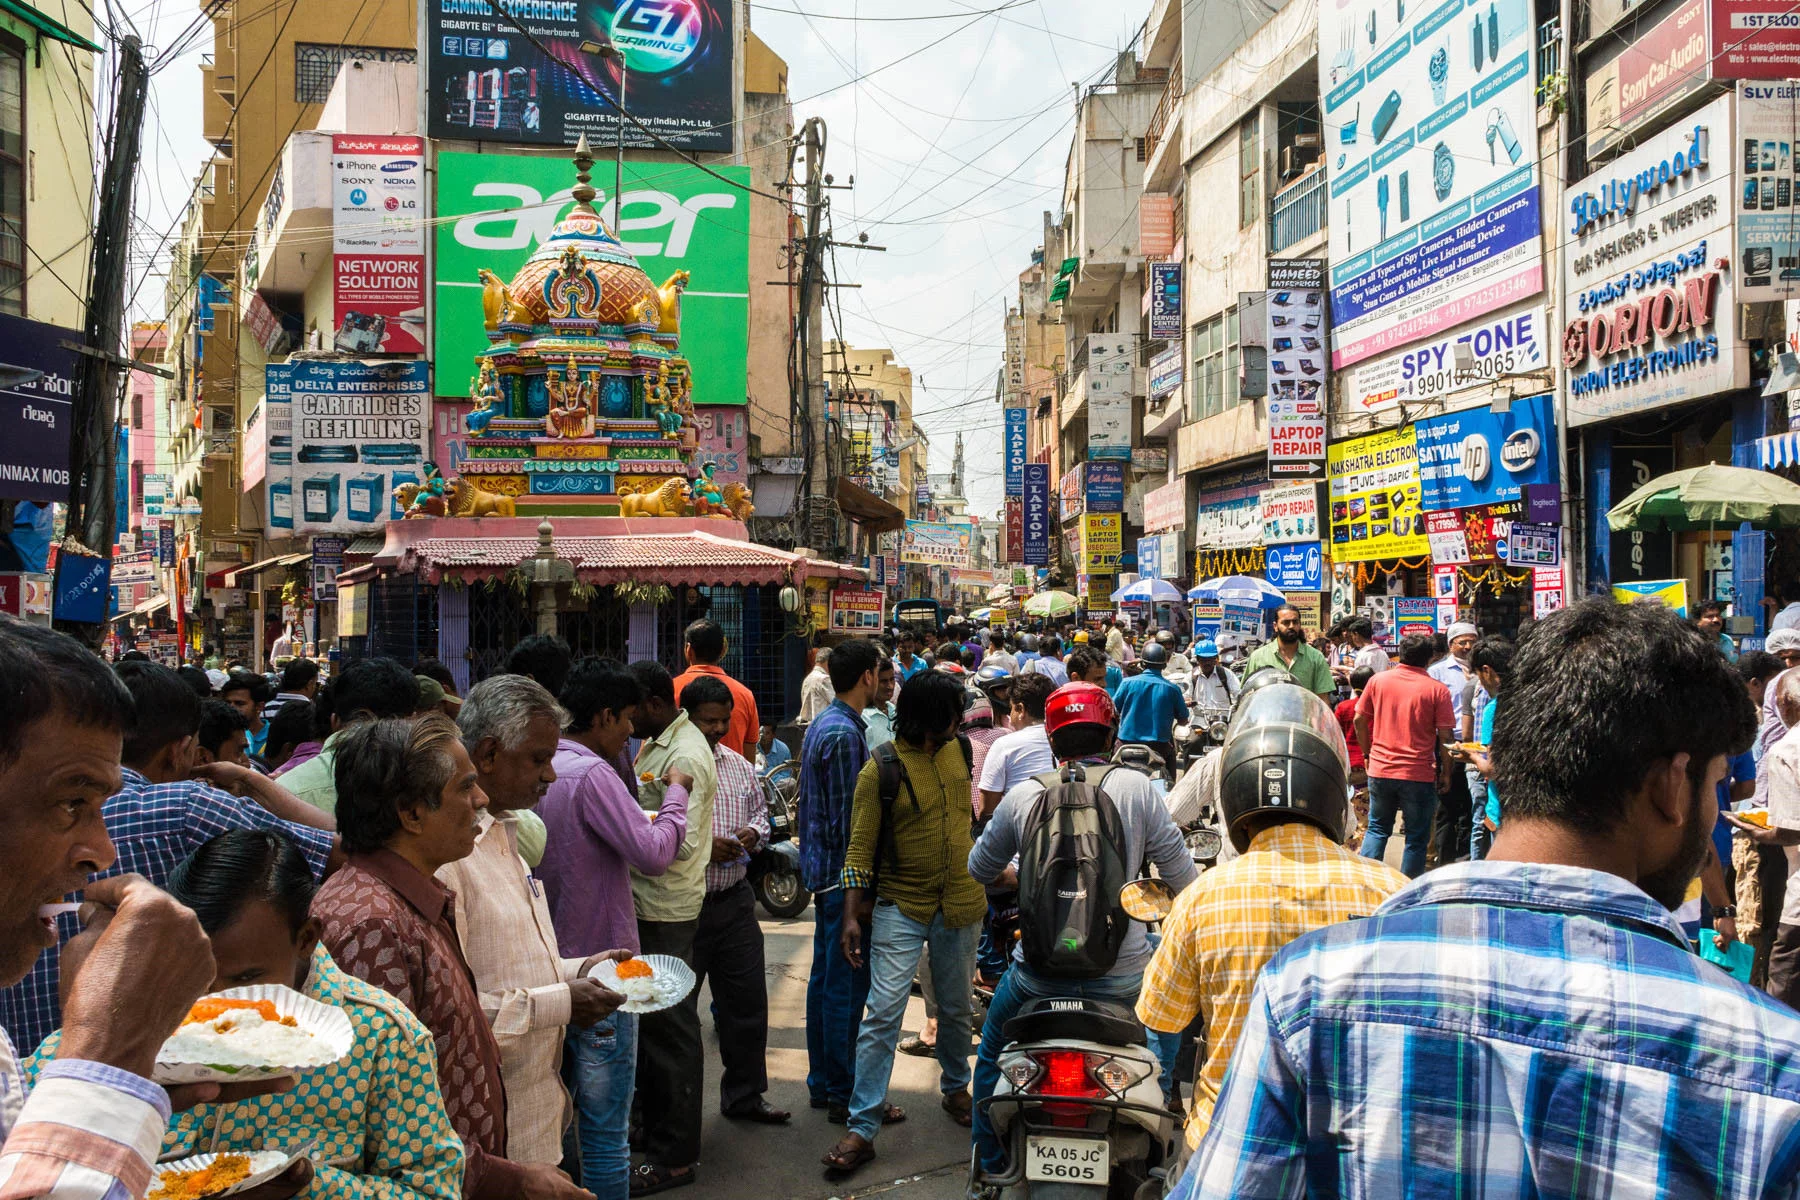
(775, 868)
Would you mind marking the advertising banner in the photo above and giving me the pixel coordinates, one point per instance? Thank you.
(36, 414)
(1290, 513)
(1016, 442)
(1375, 510)
(327, 562)
(1478, 456)
(1165, 507)
(359, 430)
(935, 543)
(1071, 493)
(1430, 119)
(278, 420)
(1414, 614)
(1037, 515)
(856, 610)
(493, 210)
(1296, 370)
(1654, 71)
(1529, 545)
(1149, 556)
(83, 590)
(1652, 318)
(255, 451)
(1102, 541)
(165, 546)
(139, 566)
(1166, 373)
(1112, 364)
(378, 244)
(1298, 568)
(1014, 550)
(1670, 593)
(1511, 343)
(487, 82)
(1449, 543)
(1755, 39)
(1104, 487)
(1546, 591)
(1768, 234)
(1228, 524)
(1165, 302)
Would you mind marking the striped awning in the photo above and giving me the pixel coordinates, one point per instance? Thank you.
(1778, 450)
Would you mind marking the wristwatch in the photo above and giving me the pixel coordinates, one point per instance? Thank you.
(1725, 910)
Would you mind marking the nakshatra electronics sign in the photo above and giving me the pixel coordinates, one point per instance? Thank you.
(488, 82)
(1652, 308)
(378, 244)
(495, 209)
(1431, 145)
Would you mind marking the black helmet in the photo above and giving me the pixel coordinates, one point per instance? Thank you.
(1165, 637)
(1265, 677)
(1155, 655)
(1029, 643)
(1284, 755)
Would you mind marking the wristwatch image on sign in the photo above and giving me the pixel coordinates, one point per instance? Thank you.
(1443, 171)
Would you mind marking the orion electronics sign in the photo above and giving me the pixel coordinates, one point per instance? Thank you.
(1652, 308)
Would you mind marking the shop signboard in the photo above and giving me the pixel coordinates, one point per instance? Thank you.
(36, 412)
(1149, 556)
(1071, 494)
(1165, 301)
(1206, 620)
(1014, 550)
(1375, 504)
(1670, 593)
(1295, 341)
(83, 590)
(1299, 568)
(1652, 313)
(1228, 524)
(1547, 593)
(1096, 593)
(156, 494)
(1166, 372)
(1290, 513)
(1449, 544)
(1309, 605)
(1166, 507)
(856, 610)
(165, 546)
(327, 562)
(1037, 515)
(936, 543)
(1104, 487)
(1430, 127)
(495, 209)
(1017, 439)
(25, 594)
(487, 82)
(138, 566)
(1654, 71)
(1768, 234)
(1635, 555)
(1171, 555)
(359, 431)
(1529, 545)
(1414, 614)
(1240, 619)
(1111, 369)
(1513, 342)
(1102, 541)
(1478, 456)
(378, 244)
(1754, 39)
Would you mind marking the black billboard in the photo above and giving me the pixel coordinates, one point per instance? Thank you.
(489, 83)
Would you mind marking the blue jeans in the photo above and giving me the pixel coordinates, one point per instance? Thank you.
(895, 943)
(1417, 801)
(602, 1070)
(1017, 986)
(1480, 836)
(1166, 1045)
(835, 995)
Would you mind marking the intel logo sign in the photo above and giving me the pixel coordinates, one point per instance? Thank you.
(1521, 449)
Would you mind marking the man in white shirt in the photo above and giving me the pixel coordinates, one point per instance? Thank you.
(1213, 686)
(879, 716)
(1360, 632)
(997, 655)
(815, 690)
(1022, 753)
(1778, 781)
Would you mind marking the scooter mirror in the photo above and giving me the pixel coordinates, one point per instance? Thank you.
(1204, 844)
(1146, 900)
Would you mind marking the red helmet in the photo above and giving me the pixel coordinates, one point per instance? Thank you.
(1078, 704)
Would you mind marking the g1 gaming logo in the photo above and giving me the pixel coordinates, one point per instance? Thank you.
(657, 36)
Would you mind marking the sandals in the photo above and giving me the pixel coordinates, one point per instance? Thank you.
(850, 1154)
(917, 1046)
(960, 1107)
(647, 1179)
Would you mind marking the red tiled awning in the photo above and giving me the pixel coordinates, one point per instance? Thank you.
(672, 558)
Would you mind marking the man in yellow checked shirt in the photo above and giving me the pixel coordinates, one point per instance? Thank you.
(376, 1120)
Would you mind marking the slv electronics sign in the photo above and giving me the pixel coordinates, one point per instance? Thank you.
(1477, 456)
(495, 209)
(378, 244)
(487, 82)
(1511, 343)
(36, 411)
(1652, 316)
(1430, 133)
(1768, 220)
(359, 431)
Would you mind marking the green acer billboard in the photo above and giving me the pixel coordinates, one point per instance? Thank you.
(494, 209)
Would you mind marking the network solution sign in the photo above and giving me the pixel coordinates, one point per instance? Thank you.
(378, 244)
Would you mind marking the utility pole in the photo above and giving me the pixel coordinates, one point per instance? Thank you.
(810, 317)
(93, 449)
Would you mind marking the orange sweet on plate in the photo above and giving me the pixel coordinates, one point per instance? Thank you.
(634, 968)
(208, 1007)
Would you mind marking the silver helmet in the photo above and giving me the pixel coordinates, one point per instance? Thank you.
(1284, 755)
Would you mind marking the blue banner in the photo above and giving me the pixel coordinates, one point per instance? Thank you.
(83, 588)
(1149, 556)
(1037, 514)
(1016, 442)
(1296, 568)
(1477, 456)
(1104, 487)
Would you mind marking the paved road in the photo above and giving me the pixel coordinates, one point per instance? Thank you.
(923, 1158)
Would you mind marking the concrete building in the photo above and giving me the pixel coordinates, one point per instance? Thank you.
(145, 415)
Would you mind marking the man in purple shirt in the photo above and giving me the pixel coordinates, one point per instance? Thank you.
(597, 835)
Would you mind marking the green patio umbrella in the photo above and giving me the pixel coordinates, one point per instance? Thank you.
(1709, 497)
(1051, 604)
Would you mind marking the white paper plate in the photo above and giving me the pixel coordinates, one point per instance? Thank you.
(673, 980)
(328, 1025)
(264, 1166)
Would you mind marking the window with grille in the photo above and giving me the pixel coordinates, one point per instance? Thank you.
(12, 177)
(316, 65)
(137, 410)
(1215, 367)
(1249, 167)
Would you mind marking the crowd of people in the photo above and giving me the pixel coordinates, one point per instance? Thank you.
(1519, 1006)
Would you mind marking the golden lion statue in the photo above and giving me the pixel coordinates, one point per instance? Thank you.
(668, 303)
(734, 502)
(496, 299)
(668, 500)
(460, 499)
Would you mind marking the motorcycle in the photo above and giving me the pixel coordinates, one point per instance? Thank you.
(775, 868)
(1203, 733)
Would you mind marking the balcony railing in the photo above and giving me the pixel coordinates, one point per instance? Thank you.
(1550, 48)
(1297, 211)
(1165, 108)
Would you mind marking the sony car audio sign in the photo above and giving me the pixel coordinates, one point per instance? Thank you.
(1647, 275)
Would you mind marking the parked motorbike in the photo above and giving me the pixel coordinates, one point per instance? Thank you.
(775, 868)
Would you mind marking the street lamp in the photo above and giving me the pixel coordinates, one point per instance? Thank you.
(607, 48)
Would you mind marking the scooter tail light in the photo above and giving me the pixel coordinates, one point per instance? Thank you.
(1066, 1074)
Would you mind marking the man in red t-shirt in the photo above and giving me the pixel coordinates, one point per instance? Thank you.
(705, 650)
(1402, 717)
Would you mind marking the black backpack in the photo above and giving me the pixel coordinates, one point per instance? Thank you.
(1071, 867)
(890, 776)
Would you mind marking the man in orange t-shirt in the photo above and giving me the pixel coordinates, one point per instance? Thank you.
(705, 650)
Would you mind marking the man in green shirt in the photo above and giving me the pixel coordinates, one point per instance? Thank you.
(670, 1054)
(1290, 652)
(373, 689)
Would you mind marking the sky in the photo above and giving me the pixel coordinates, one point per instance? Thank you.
(952, 117)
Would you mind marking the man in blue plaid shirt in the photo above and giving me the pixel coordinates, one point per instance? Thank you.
(1535, 1024)
(157, 819)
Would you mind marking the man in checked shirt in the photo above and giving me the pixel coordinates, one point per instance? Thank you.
(728, 945)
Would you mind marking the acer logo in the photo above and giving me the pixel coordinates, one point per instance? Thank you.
(532, 222)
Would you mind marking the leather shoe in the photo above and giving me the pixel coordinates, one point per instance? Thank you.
(760, 1111)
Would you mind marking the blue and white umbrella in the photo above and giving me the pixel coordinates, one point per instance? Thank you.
(1153, 590)
(1241, 591)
